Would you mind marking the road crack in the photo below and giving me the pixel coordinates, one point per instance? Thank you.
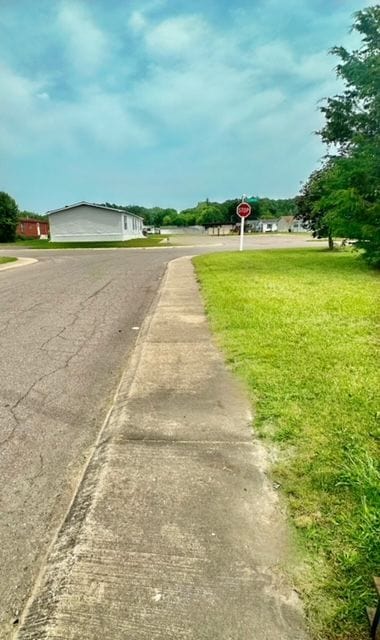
(44, 347)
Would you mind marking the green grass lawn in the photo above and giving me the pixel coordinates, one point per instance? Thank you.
(3, 260)
(300, 328)
(150, 241)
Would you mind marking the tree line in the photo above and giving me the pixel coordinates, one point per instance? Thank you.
(208, 212)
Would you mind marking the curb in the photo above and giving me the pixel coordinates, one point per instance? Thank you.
(20, 262)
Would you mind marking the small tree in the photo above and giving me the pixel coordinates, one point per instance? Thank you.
(9, 213)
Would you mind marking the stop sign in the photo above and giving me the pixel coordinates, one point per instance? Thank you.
(243, 209)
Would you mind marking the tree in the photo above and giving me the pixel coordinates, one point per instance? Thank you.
(188, 217)
(354, 116)
(344, 196)
(310, 207)
(33, 215)
(9, 213)
(268, 208)
(172, 218)
(210, 214)
(351, 199)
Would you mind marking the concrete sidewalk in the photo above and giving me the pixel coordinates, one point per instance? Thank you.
(175, 531)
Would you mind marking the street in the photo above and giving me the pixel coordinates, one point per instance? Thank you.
(67, 325)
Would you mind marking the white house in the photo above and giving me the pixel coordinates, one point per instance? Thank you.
(86, 222)
(291, 224)
(267, 225)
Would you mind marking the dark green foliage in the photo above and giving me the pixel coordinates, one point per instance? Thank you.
(33, 215)
(8, 217)
(343, 197)
(309, 205)
(354, 116)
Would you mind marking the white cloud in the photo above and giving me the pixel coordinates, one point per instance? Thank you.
(31, 121)
(279, 59)
(104, 118)
(137, 22)
(178, 36)
(209, 80)
(197, 84)
(86, 44)
(16, 106)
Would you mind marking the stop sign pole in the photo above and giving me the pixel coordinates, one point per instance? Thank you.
(243, 210)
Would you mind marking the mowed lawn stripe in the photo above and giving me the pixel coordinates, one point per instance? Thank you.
(300, 327)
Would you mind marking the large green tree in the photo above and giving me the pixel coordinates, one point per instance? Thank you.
(210, 214)
(344, 196)
(9, 213)
(353, 117)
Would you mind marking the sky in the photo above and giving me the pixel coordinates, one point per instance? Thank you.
(164, 102)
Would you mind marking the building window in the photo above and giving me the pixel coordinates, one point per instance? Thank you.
(125, 222)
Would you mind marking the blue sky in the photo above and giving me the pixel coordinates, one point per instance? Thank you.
(163, 102)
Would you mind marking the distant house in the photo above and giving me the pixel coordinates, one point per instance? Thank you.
(291, 224)
(87, 222)
(271, 225)
(31, 228)
(267, 225)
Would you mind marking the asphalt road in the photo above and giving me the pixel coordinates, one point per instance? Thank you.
(67, 325)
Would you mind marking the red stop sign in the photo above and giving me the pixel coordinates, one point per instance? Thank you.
(243, 209)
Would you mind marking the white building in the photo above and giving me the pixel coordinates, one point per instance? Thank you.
(267, 225)
(86, 222)
(291, 224)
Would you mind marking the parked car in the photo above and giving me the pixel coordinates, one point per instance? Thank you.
(148, 231)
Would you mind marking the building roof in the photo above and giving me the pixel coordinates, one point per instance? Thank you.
(91, 204)
(265, 220)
